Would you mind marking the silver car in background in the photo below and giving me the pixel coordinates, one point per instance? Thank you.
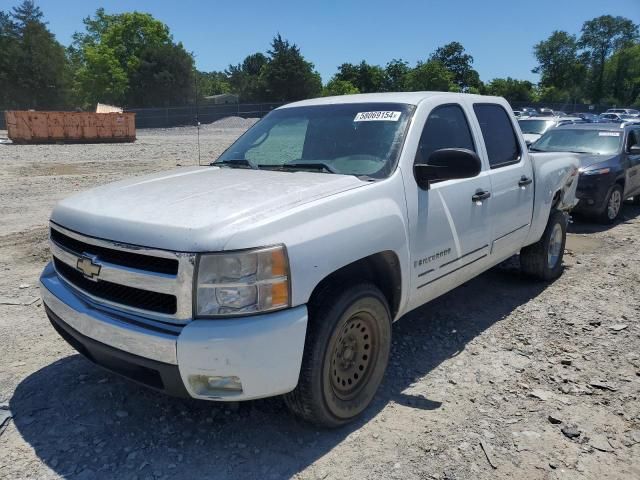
(533, 127)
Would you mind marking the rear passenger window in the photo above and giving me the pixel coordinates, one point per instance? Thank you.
(446, 127)
(499, 137)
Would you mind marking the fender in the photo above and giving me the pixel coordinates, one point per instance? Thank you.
(341, 229)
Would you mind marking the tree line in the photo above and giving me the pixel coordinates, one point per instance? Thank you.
(131, 59)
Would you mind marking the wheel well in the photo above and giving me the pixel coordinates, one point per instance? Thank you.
(620, 181)
(382, 269)
(556, 199)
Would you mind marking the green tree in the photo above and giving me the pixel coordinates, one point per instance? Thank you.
(164, 77)
(601, 37)
(622, 76)
(511, 89)
(100, 77)
(212, 83)
(34, 69)
(245, 80)
(455, 59)
(287, 75)
(395, 75)
(9, 51)
(366, 78)
(27, 12)
(558, 61)
(431, 75)
(338, 87)
(118, 55)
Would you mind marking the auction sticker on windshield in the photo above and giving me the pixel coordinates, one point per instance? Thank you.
(609, 134)
(377, 116)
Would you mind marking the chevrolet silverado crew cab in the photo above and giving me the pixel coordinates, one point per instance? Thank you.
(280, 268)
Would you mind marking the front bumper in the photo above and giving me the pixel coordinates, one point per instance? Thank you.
(592, 193)
(264, 351)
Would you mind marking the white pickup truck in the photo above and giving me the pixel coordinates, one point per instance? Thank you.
(280, 268)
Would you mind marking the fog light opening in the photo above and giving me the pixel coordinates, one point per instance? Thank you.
(215, 386)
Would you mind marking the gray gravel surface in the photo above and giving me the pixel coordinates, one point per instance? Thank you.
(501, 378)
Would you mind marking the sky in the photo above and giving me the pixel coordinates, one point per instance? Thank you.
(499, 34)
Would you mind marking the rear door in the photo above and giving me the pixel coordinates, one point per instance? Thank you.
(511, 205)
(450, 234)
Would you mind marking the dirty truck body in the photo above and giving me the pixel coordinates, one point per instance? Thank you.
(279, 268)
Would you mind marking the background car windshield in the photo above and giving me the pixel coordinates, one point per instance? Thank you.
(601, 142)
(534, 126)
(351, 139)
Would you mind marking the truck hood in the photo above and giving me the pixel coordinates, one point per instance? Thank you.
(192, 209)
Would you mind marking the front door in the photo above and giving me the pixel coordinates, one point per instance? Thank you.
(451, 233)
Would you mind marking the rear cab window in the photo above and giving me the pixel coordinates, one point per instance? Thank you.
(500, 139)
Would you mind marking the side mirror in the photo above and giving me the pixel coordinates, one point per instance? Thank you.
(447, 164)
(635, 149)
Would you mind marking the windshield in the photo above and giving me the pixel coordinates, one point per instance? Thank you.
(535, 126)
(602, 142)
(352, 139)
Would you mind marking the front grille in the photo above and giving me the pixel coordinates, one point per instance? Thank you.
(118, 257)
(112, 292)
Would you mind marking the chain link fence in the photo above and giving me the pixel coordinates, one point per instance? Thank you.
(190, 115)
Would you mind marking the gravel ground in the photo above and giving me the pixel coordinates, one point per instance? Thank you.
(501, 378)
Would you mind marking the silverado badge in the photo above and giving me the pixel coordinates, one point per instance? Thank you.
(88, 267)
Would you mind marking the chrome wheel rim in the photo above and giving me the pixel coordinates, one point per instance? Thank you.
(613, 207)
(353, 357)
(555, 246)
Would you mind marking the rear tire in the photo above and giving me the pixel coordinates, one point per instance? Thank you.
(543, 259)
(345, 355)
(612, 205)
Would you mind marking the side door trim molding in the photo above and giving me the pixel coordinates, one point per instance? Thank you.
(454, 270)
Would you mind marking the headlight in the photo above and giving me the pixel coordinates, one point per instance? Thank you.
(240, 283)
(597, 171)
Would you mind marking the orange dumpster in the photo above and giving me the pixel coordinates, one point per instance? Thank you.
(70, 127)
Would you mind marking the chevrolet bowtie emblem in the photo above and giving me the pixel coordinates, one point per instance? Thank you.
(88, 267)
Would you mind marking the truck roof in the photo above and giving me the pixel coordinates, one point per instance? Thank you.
(411, 98)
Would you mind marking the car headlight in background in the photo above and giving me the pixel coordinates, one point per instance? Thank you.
(597, 171)
(240, 283)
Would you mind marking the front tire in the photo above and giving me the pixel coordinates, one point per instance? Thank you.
(543, 259)
(612, 206)
(345, 355)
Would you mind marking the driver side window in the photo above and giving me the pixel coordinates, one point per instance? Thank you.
(446, 127)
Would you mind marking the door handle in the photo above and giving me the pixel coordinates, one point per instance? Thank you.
(524, 181)
(480, 195)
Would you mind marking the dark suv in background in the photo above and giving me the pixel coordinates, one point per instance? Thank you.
(610, 164)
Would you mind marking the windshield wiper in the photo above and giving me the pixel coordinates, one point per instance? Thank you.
(320, 166)
(236, 163)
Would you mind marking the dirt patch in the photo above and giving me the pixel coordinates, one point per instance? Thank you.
(581, 243)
